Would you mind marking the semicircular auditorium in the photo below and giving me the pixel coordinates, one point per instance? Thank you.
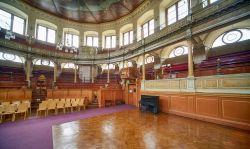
(124, 74)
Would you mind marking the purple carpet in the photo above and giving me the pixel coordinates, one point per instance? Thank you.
(37, 133)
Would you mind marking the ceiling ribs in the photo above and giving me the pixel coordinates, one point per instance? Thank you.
(56, 7)
(124, 6)
(90, 11)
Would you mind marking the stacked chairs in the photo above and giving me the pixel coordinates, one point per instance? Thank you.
(68, 105)
(51, 106)
(28, 104)
(9, 109)
(74, 105)
(64, 104)
(60, 105)
(81, 104)
(42, 107)
(21, 109)
(1, 113)
(16, 107)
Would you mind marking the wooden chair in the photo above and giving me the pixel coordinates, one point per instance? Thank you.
(9, 110)
(42, 107)
(81, 104)
(5, 103)
(16, 102)
(74, 104)
(63, 100)
(1, 113)
(22, 108)
(51, 106)
(60, 105)
(68, 105)
(56, 100)
(28, 104)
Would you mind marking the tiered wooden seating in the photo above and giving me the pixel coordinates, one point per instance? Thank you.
(103, 51)
(179, 69)
(12, 77)
(238, 62)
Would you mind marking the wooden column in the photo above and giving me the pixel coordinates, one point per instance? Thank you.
(55, 72)
(190, 59)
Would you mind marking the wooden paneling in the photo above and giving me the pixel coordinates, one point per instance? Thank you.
(164, 103)
(70, 93)
(49, 93)
(74, 93)
(3, 95)
(62, 93)
(15, 94)
(227, 109)
(236, 110)
(207, 106)
(109, 94)
(179, 103)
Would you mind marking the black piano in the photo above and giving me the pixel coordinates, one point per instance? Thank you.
(149, 103)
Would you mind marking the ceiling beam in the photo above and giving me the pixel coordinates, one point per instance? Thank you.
(89, 10)
(56, 7)
(124, 6)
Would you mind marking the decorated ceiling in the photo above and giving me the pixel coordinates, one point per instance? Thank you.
(87, 11)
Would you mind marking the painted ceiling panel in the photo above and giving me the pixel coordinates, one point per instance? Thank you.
(87, 11)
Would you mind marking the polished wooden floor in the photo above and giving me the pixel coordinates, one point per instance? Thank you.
(136, 130)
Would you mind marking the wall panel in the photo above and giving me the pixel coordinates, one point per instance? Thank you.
(238, 110)
(179, 103)
(207, 106)
(227, 109)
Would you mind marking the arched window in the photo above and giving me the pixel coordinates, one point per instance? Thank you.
(149, 59)
(46, 31)
(91, 38)
(109, 39)
(182, 50)
(126, 65)
(69, 65)
(43, 62)
(11, 57)
(71, 37)
(232, 36)
(12, 19)
(205, 3)
(106, 66)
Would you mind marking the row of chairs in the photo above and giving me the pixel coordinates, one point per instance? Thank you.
(60, 104)
(13, 109)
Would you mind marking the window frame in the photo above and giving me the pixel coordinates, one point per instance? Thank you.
(208, 3)
(130, 32)
(72, 41)
(12, 22)
(148, 28)
(111, 47)
(91, 41)
(176, 12)
(47, 28)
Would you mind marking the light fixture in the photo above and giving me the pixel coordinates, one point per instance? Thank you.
(9, 35)
(59, 46)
